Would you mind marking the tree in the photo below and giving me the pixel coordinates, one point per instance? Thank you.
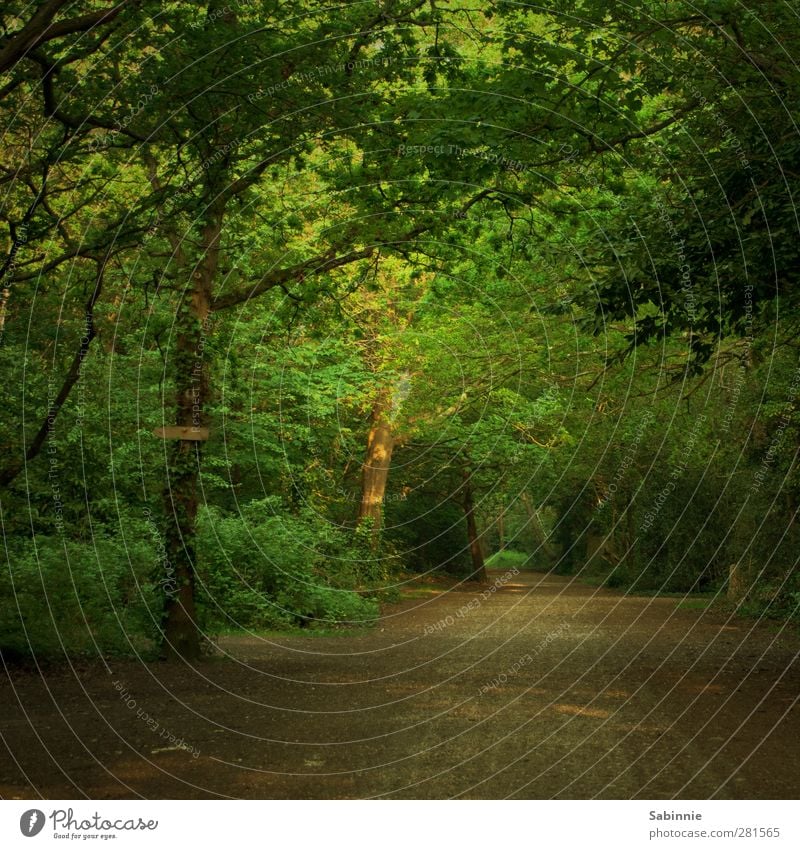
(716, 193)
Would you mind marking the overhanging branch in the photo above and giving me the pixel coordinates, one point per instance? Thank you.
(336, 257)
(41, 28)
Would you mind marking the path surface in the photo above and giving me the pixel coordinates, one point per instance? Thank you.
(544, 688)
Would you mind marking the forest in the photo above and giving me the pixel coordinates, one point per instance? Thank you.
(299, 304)
(313, 312)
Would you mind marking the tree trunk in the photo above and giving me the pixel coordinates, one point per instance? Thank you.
(375, 471)
(5, 295)
(182, 635)
(537, 527)
(501, 528)
(738, 583)
(475, 549)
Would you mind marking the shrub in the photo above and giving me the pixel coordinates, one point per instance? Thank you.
(264, 569)
(79, 598)
(509, 559)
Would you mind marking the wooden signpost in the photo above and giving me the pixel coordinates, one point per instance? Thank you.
(194, 434)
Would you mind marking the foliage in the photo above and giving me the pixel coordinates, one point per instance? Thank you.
(508, 559)
(266, 569)
(427, 532)
(553, 247)
(67, 597)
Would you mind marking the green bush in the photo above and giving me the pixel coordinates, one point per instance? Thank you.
(79, 598)
(509, 559)
(260, 569)
(264, 569)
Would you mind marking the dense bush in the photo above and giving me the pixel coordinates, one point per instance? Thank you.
(674, 544)
(681, 497)
(268, 569)
(257, 569)
(509, 559)
(66, 596)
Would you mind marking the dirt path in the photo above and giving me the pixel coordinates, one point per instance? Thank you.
(541, 689)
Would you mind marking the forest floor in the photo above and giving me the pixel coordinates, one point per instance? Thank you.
(544, 688)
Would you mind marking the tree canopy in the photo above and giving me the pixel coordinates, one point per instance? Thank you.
(298, 300)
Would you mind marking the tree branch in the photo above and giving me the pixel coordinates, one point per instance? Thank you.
(9, 473)
(324, 262)
(41, 29)
(295, 273)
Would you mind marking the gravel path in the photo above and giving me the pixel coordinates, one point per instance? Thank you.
(538, 688)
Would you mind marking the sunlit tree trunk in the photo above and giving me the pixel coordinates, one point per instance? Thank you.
(5, 295)
(375, 471)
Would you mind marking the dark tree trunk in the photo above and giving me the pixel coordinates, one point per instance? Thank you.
(501, 528)
(473, 538)
(537, 528)
(182, 635)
